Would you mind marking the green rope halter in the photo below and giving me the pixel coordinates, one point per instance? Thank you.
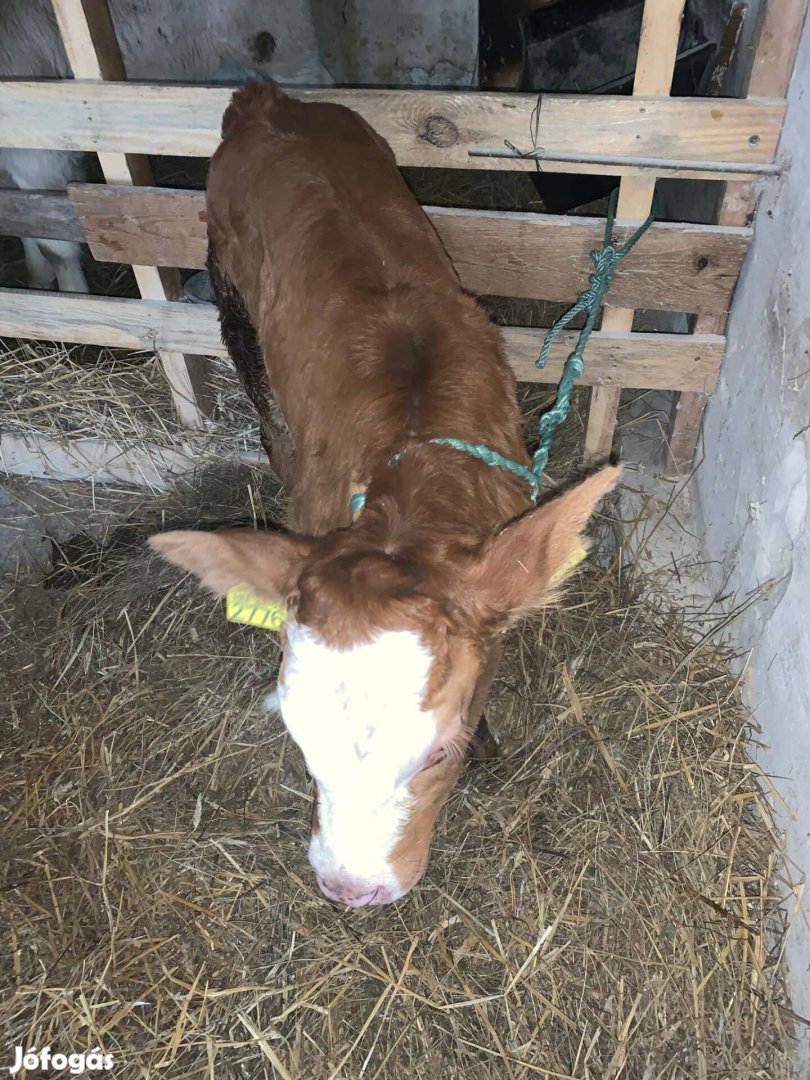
(590, 301)
(485, 454)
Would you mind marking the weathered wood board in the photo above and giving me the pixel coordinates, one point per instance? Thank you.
(690, 268)
(432, 128)
(644, 361)
(46, 214)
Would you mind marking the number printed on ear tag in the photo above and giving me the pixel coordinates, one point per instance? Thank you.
(242, 606)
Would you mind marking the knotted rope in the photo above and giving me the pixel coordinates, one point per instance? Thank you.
(590, 301)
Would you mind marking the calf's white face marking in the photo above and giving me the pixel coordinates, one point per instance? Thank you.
(357, 715)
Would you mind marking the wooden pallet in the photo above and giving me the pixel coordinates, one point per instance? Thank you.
(678, 267)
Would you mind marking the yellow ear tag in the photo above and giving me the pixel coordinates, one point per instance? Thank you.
(242, 606)
(579, 556)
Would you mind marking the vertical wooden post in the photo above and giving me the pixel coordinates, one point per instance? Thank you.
(770, 77)
(92, 51)
(655, 67)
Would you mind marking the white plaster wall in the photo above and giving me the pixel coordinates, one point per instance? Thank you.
(754, 484)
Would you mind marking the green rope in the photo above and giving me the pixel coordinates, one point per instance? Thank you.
(488, 456)
(590, 301)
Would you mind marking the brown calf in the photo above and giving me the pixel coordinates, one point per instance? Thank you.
(336, 295)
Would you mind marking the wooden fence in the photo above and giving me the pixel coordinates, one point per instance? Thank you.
(678, 267)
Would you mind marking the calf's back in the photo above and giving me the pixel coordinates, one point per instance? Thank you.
(368, 340)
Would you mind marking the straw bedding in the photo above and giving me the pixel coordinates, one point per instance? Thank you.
(83, 391)
(605, 900)
(602, 901)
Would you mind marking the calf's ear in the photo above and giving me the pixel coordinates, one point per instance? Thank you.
(266, 563)
(518, 568)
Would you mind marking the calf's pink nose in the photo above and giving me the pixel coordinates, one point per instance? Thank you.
(355, 894)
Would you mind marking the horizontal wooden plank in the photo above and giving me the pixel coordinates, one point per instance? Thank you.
(148, 465)
(707, 129)
(675, 267)
(149, 226)
(641, 361)
(100, 320)
(637, 361)
(424, 127)
(690, 268)
(46, 214)
(38, 456)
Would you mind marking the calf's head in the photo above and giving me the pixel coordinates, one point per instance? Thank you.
(385, 653)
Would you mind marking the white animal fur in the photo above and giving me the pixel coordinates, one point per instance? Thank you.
(357, 716)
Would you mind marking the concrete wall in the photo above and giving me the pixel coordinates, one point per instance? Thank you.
(754, 484)
(408, 43)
